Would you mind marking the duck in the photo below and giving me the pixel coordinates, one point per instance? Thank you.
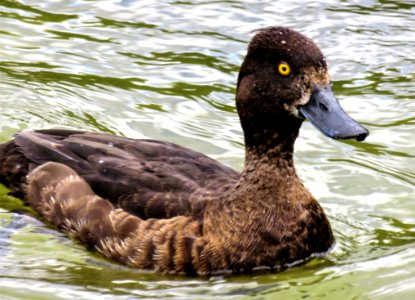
(158, 206)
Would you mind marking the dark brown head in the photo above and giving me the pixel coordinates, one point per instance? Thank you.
(283, 80)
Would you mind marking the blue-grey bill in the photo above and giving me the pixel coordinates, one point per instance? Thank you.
(325, 113)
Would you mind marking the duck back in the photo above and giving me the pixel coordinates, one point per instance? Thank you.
(151, 179)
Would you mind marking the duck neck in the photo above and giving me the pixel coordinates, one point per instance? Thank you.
(269, 175)
(270, 142)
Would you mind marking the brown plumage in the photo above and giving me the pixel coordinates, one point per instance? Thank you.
(157, 205)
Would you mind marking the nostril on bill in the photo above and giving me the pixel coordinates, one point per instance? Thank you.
(323, 107)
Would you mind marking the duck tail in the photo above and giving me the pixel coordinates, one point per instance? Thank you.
(66, 200)
(13, 168)
(27, 151)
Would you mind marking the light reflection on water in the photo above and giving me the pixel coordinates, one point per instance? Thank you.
(168, 71)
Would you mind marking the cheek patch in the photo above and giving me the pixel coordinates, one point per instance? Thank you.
(304, 99)
(311, 78)
(292, 108)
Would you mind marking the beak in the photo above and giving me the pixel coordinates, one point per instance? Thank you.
(324, 112)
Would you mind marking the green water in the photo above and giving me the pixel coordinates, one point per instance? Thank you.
(167, 70)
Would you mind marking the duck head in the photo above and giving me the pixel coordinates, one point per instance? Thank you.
(282, 81)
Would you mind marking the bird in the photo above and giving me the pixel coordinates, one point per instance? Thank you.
(155, 205)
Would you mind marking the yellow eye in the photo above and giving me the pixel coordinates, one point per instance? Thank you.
(284, 69)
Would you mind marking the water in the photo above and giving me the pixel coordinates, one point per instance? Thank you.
(167, 70)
